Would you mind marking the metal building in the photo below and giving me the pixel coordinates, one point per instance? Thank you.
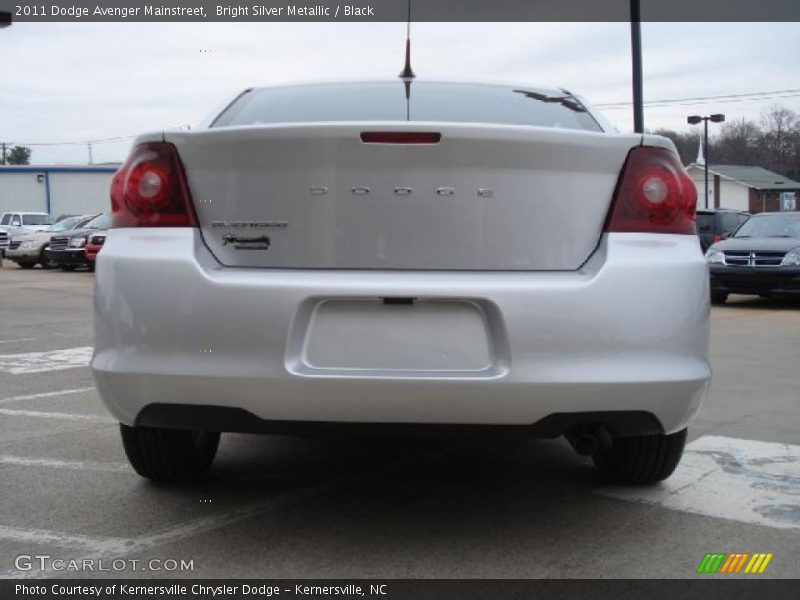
(58, 190)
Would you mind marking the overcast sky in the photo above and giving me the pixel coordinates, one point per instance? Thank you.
(75, 82)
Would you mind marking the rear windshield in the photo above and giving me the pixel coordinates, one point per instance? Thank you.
(36, 220)
(386, 101)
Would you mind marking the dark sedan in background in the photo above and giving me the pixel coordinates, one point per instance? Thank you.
(762, 258)
(68, 251)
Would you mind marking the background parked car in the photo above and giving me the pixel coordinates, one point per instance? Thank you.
(19, 222)
(29, 249)
(715, 225)
(93, 247)
(68, 250)
(762, 258)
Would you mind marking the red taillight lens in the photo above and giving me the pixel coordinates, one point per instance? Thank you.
(150, 190)
(654, 194)
(401, 137)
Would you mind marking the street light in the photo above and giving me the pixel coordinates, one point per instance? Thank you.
(694, 120)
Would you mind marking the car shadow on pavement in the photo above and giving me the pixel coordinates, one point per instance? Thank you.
(429, 478)
(757, 303)
(380, 505)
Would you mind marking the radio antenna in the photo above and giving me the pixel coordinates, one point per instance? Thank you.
(407, 74)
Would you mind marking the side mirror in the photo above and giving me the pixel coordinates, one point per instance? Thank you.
(726, 235)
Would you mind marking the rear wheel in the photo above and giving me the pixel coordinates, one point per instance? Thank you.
(641, 458)
(68, 267)
(718, 297)
(169, 454)
(26, 264)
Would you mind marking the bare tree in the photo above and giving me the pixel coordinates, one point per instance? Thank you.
(780, 127)
(738, 143)
(772, 142)
(686, 143)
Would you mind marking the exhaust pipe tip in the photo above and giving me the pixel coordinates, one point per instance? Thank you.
(590, 440)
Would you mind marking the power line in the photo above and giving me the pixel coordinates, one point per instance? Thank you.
(776, 94)
(118, 138)
(81, 143)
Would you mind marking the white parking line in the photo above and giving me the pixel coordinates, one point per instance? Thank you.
(729, 478)
(111, 548)
(17, 340)
(24, 461)
(11, 399)
(55, 415)
(39, 362)
(56, 538)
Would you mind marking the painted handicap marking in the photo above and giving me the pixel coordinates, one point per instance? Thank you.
(38, 362)
(742, 480)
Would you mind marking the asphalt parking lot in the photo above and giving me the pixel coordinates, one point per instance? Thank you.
(282, 507)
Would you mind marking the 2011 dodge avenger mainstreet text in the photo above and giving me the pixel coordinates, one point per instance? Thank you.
(353, 257)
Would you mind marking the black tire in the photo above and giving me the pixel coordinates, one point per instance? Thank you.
(46, 261)
(641, 458)
(718, 297)
(68, 267)
(169, 454)
(25, 264)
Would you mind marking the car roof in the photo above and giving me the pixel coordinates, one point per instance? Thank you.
(24, 212)
(711, 211)
(794, 214)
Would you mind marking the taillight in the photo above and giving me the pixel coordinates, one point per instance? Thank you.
(654, 194)
(401, 137)
(150, 190)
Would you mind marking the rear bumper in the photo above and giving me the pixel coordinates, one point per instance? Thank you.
(626, 333)
(755, 280)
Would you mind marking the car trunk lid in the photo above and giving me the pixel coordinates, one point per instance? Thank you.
(484, 197)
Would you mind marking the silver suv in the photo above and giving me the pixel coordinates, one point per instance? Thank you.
(19, 223)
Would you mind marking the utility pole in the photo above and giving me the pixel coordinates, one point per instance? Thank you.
(5, 21)
(89, 145)
(636, 63)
